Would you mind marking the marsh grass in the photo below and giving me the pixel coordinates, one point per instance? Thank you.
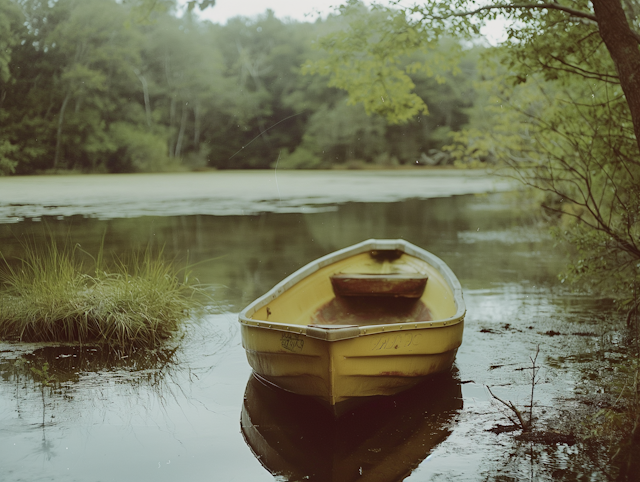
(53, 294)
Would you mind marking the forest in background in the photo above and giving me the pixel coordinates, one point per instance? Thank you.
(85, 86)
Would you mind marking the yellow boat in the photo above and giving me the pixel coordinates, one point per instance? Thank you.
(372, 319)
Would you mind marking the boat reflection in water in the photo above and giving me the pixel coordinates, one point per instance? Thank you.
(385, 439)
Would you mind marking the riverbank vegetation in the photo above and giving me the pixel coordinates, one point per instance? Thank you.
(95, 86)
(560, 111)
(51, 294)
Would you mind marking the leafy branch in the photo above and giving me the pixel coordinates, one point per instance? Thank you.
(520, 6)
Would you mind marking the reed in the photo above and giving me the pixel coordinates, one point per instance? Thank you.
(50, 295)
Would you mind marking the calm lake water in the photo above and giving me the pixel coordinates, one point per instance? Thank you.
(193, 412)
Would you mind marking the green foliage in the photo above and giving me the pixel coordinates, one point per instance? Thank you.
(49, 296)
(344, 132)
(301, 158)
(7, 150)
(551, 108)
(617, 424)
(9, 16)
(138, 150)
(370, 59)
(106, 86)
(573, 141)
(146, 11)
(45, 378)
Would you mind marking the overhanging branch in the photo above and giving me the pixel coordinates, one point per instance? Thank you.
(572, 12)
(515, 6)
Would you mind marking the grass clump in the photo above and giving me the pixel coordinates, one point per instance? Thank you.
(49, 295)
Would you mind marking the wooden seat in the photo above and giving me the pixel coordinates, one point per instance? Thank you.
(371, 310)
(399, 285)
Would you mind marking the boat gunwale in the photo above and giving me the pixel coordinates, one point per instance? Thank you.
(333, 334)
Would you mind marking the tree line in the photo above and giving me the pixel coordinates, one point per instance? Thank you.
(86, 86)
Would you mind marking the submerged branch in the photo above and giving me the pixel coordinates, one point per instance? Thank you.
(521, 421)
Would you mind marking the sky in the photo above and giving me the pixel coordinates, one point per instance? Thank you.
(303, 10)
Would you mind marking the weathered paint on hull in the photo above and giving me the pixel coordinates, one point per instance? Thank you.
(334, 371)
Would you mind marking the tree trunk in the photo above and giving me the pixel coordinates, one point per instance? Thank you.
(196, 127)
(183, 123)
(145, 92)
(56, 158)
(622, 45)
(172, 118)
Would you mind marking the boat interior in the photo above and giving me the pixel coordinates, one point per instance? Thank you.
(371, 310)
(389, 296)
(377, 287)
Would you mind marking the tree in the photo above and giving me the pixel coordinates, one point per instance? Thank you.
(341, 133)
(182, 75)
(145, 11)
(90, 86)
(262, 58)
(96, 54)
(9, 38)
(571, 73)
(375, 44)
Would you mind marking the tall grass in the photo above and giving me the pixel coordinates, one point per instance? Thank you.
(49, 295)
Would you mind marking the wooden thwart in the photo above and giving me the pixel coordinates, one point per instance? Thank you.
(400, 285)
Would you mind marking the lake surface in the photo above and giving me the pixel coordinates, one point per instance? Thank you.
(192, 411)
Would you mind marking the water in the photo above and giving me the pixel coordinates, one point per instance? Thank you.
(192, 411)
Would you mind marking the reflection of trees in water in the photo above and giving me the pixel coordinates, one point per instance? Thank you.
(85, 373)
(553, 462)
(236, 245)
(419, 221)
(384, 439)
(90, 386)
(53, 375)
(72, 382)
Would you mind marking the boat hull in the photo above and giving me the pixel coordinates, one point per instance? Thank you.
(341, 343)
(383, 363)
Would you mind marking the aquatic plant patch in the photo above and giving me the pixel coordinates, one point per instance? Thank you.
(47, 295)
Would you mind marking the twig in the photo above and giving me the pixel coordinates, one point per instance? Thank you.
(523, 425)
(534, 371)
(526, 426)
(634, 309)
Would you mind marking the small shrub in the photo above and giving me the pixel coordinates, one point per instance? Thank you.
(385, 159)
(7, 164)
(138, 150)
(301, 158)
